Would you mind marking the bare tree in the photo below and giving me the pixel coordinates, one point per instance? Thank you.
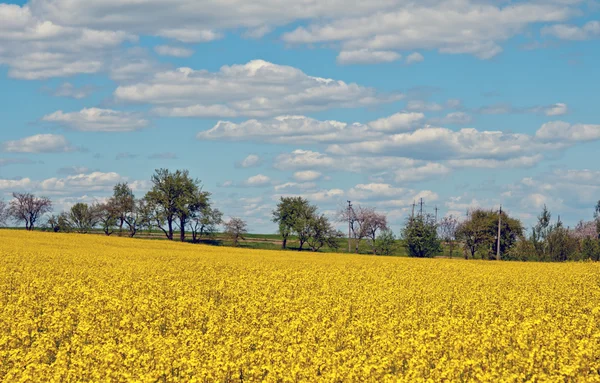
(365, 222)
(235, 229)
(25, 207)
(447, 230)
(4, 213)
(373, 223)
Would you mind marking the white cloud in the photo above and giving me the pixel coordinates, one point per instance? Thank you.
(251, 161)
(98, 120)
(14, 185)
(397, 122)
(366, 56)
(589, 30)
(440, 143)
(40, 143)
(257, 89)
(258, 180)
(388, 195)
(415, 57)
(71, 184)
(560, 131)
(36, 48)
(300, 129)
(556, 110)
(448, 26)
(307, 175)
(290, 187)
(167, 50)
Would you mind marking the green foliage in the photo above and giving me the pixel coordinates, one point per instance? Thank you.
(590, 249)
(479, 233)
(173, 199)
(562, 245)
(83, 218)
(385, 243)
(288, 213)
(420, 237)
(322, 233)
(523, 250)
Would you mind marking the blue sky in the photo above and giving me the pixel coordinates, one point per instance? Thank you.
(463, 103)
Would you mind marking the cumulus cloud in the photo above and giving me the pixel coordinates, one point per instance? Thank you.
(256, 89)
(307, 175)
(259, 180)
(450, 27)
(556, 110)
(250, 161)
(560, 131)
(168, 50)
(98, 120)
(301, 129)
(71, 184)
(387, 195)
(36, 48)
(39, 143)
(589, 30)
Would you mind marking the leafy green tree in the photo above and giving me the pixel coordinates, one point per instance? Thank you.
(562, 245)
(303, 221)
(474, 232)
(420, 236)
(479, 233)
(590, 249)
(122, 203)
(83, 217)
(321, 233)
(204, 221)
(288, 211)
(172, 199)
(386, 242)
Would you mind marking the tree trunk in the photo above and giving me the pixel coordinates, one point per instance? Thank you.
(182, 229)
(284, 243)
(170, 224)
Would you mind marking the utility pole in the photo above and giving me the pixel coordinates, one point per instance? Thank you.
(436, 213)
(412, 216)
(421, 210)
(499, 232)
(349, 226)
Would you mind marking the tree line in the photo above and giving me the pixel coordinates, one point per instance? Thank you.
(177, 205)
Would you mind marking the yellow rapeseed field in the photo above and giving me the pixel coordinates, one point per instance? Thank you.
(91, 308)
